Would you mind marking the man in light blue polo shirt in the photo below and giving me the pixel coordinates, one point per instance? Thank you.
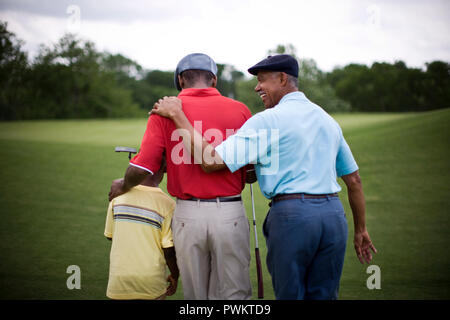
(296, 148)
(298, 152)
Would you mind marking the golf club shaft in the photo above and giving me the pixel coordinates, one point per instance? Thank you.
(254, 217)
(257, 256)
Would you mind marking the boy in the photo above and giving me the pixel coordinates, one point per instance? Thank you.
(138, 223)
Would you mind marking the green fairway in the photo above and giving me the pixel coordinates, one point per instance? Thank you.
(56, 176)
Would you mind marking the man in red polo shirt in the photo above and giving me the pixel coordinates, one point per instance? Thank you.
(210, 227)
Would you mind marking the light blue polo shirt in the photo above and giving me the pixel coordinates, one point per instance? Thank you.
(296, 147)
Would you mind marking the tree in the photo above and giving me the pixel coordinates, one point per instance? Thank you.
(353, 84)
(70, 82)
(13, 75)
(71, 79)
(122, 67)
(155, 85)
(312, 81)
(437, 85)
(394, 87)
(284, 49)
(245, 92)
(227, 76)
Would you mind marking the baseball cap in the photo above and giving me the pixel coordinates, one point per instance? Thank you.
(281, 62)
(197, 61)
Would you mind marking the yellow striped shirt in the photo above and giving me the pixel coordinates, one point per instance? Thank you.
(139, 224)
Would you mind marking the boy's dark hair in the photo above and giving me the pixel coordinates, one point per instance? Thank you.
(192, 76)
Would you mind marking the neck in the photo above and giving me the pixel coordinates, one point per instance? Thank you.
(154, 185)
(290, 90)
(285, 92)
(197, 86)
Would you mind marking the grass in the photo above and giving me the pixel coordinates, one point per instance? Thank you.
(56, 176)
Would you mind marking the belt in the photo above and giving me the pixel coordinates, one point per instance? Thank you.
(290, 196)
(220, 199)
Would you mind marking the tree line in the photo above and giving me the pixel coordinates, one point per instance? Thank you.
(72, 79)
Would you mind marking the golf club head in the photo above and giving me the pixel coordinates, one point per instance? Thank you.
(126, 149)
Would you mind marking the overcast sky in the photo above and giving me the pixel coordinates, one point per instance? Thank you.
(158, 33)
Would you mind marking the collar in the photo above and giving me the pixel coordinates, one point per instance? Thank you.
(296, 95)
(146, 188)
(199, 92)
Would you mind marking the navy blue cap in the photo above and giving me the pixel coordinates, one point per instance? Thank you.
(281, 62)
(197, 61)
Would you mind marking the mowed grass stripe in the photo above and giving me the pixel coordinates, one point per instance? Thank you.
(127, 132)
(405, 171)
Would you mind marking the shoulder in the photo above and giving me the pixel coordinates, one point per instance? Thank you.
(236, 104)
(258, 121)
(322, 118)
(122, 198)
(166, 200)
(155, 200)
(155, 119)
(266, 115)
(326, 117)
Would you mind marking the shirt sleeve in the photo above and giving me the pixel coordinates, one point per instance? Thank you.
(345, 163)
(152, 146)
(247, 146)
(166, 230)
(109, 225)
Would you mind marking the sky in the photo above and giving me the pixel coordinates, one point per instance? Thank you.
(158, 33)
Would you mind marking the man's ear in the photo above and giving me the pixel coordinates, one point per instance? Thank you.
(181, 81)
(214, 82)
(283, 79)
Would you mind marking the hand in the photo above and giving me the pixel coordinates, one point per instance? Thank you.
(250, 176)
(173, 284)
(363, 245)
(167, 107)
(116, 189)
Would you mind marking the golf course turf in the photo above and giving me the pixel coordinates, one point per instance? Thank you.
(56, 176)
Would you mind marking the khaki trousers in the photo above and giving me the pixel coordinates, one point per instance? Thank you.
(213, 249)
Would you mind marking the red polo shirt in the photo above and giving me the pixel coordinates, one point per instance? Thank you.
(216, 117)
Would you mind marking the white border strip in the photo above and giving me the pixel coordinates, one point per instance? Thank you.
(135, 165)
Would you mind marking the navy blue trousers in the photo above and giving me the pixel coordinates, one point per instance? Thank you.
(306, 241)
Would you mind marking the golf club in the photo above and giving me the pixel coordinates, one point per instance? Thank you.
(258, 258)
(130, 151)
